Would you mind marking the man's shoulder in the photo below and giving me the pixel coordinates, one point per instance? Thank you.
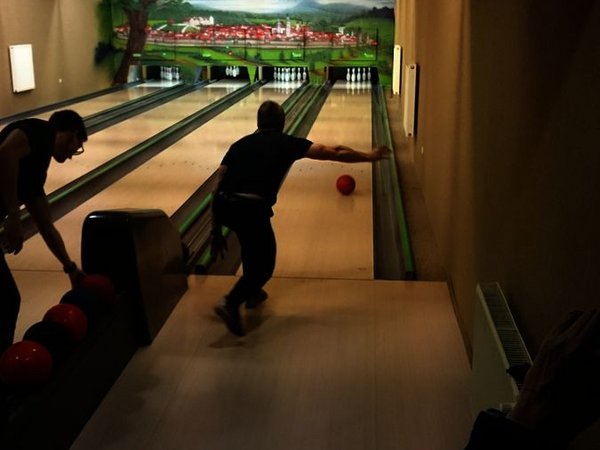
(29, 122)
(271, 140)
(247, 138)
(28, 125)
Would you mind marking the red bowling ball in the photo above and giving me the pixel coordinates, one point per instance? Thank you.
(345, 184)
(101, 285)
(25, 363)
(71, 317)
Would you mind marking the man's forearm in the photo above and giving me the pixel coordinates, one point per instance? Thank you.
(349, 155)
(56, 245)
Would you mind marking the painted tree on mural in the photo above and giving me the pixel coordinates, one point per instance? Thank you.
(137, 12)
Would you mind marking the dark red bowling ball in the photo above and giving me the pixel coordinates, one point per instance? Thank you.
(71, 317)
(101, 285)
(345, 184)
(25, 363)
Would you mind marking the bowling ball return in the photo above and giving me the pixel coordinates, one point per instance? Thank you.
(141, 252)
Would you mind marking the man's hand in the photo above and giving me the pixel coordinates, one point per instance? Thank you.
(12, 239)
(76, 276)
(561, 392)
(381, 152)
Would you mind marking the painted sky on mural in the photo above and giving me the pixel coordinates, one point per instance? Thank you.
(279, 5)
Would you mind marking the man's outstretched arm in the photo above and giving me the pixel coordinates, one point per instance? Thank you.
(342, 153)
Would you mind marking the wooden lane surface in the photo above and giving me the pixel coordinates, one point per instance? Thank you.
(110, 100)
(328, 364)
(113, 141)
(164, 182)
(321, 233)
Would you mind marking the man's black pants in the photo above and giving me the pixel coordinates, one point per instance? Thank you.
(250, 219)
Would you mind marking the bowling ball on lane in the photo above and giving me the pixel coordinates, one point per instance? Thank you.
(345, 184)
(71, 317)
(54, 336)
(25, 364)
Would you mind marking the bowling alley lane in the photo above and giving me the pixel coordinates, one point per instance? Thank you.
(321, 233)
(164, 182)
(326, 364)
(109, 100)
(114, 140)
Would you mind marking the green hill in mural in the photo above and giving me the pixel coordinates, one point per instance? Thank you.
(334, 8)
(304, 7)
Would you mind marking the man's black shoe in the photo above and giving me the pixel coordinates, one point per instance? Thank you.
(231, 317)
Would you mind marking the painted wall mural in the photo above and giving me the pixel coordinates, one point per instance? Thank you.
(315, 36)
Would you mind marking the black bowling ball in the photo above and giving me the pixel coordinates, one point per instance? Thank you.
(88, 301)
(52, 335)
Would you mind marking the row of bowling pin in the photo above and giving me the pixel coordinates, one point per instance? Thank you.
(290, 74)
(170, 73)
(232, 71)
(360, 74)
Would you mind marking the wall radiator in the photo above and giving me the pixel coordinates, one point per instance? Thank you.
(396, 75)
(497, 346)
(410, 98)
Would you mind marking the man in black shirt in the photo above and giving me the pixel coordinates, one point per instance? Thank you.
(26, 149)
(249, 178)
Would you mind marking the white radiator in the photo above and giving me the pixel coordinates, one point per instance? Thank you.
(21, 67)
(396, 75)
(497, 345)
(410, 99)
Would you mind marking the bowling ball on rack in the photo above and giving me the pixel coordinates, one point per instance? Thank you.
(92, 305)
(54, 336)
(25, 364)
(345, 184)
(71, 317)
(101, 285)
